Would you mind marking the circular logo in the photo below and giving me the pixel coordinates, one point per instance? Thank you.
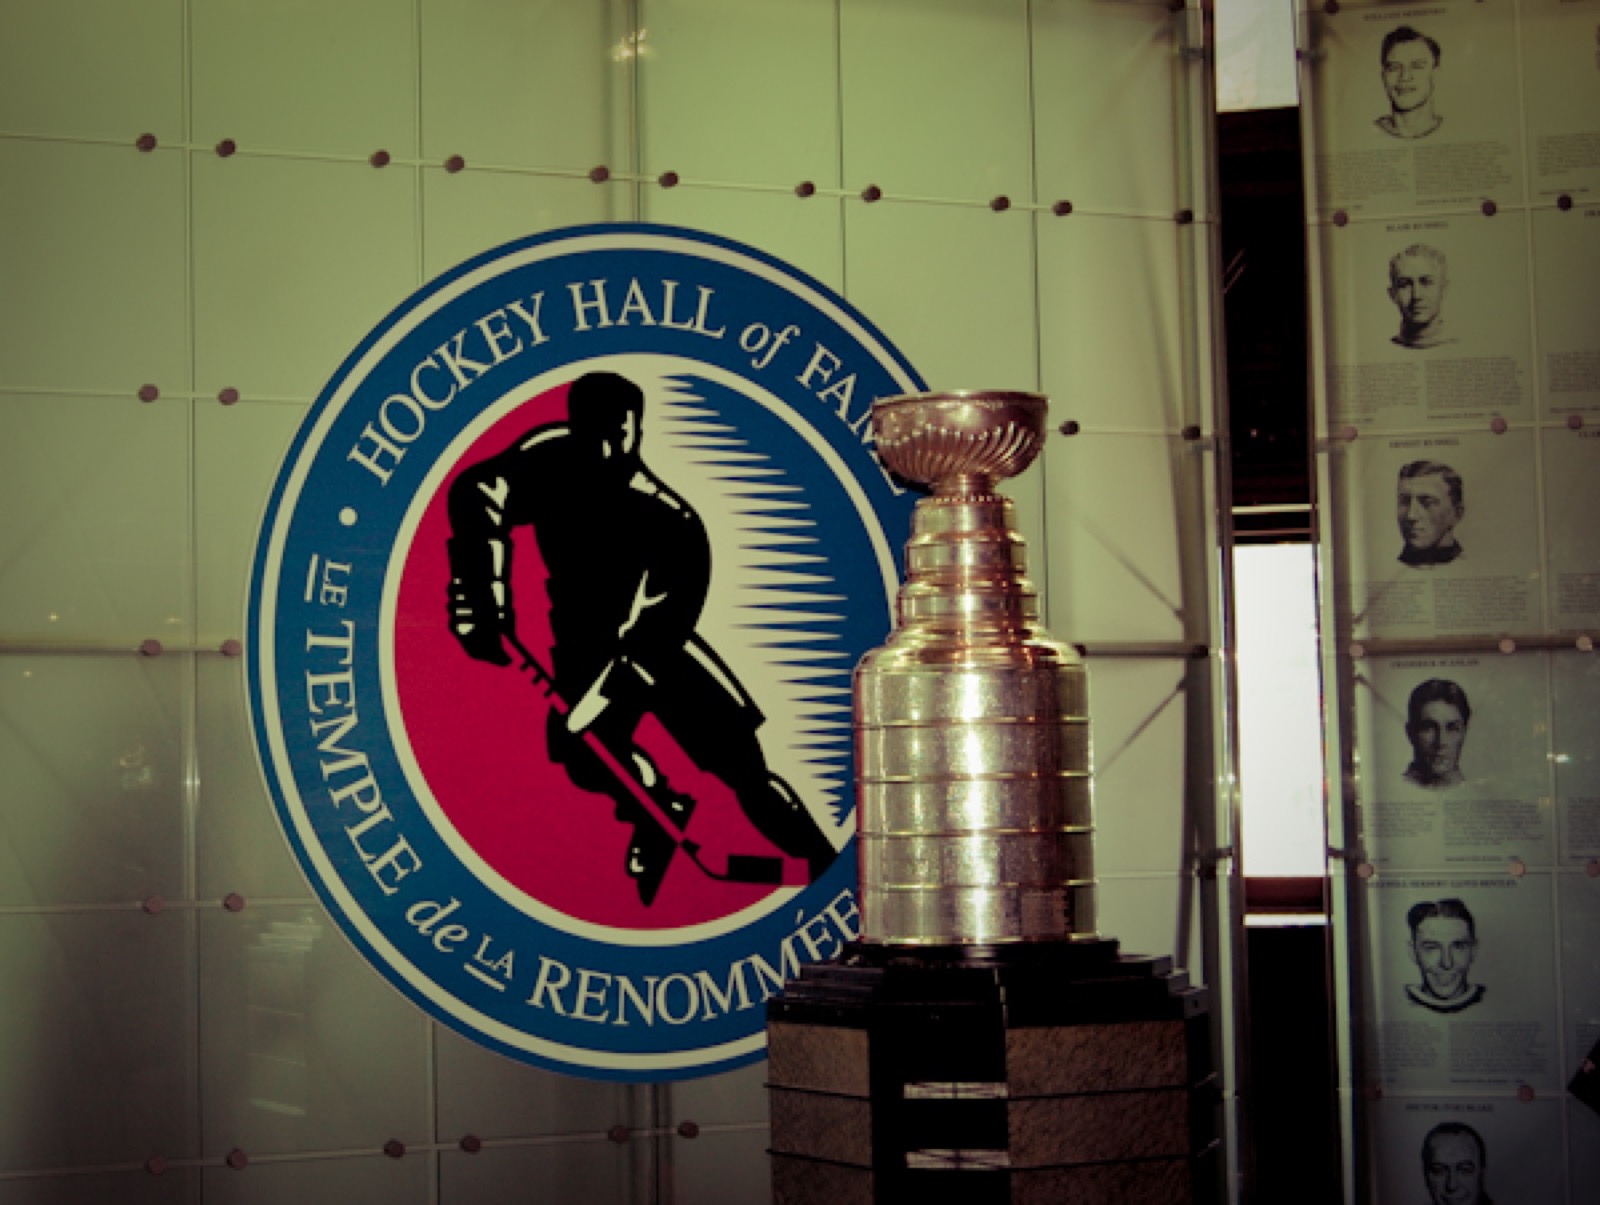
(552, 621)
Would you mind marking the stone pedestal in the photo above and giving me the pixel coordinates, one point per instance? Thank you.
(1045, 1072)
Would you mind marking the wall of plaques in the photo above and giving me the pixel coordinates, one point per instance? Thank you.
(206, 204)
(1453, 183)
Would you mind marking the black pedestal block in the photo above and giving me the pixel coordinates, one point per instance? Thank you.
(1056, 1072)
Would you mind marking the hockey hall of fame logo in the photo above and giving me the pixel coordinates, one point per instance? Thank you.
(552, 621)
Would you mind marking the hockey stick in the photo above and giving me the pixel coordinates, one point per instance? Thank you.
(740, 868)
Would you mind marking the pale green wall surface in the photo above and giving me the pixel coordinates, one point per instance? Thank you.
(141, 1019)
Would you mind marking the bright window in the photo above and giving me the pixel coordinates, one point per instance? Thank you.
(1256, 66)
(1280, 716)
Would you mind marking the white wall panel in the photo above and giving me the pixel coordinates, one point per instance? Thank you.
(717, 1167)
(465, 213)
(237, 451)
(951, 286)
(487, 1095)
(302, 1046)
(807, 232)
(597, 1172)
(936, 100)
(1137, 709)
(93, 794)
(733, 91)
(531, 83)
(238, 844)
(175, 1186)
(294, 261)
(96, 497)
(1110, 322)
(1104, 69)
(324, 1182)
(92, 69)
(277, 76)
(1114, 568)
(92, 260)
(98, 1052)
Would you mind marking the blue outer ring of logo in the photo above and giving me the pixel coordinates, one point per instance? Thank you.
(319, 481)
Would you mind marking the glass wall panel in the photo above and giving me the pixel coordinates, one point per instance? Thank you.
(321, 1182)
(719, 1166)
(133, 53)
(237, 449)
(527, 83)
(204, 208)
(596, 1172)
(92, 244)
(962, 316)
(488, 1096)
(465, 213)
(293, 254)
(302, 1047)
(732, 91)
(936, 98)
(1455, 379)
(136, 1186)
(243, 53)
(238, 848)
(96, 496)
(94, 790)
(809, 236)
(99, 1051)
(1103, 68)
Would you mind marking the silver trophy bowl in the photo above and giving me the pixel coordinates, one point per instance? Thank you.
(952, 440)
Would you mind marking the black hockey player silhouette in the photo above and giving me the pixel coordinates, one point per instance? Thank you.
(628, 564)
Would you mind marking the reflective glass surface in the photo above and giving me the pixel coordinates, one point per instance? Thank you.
(733, 91)
(1136, 713)
(1149, 915)
(96, 497)
(489, 1096)
(92, 251)
(404, 1181)
(716, 1167)
(595, 1171)
(935, 98)
(294, 261)
(1099, 68)
(237, 451)
(94, 789)
(1114, 541)
(806, 232)
(239, 848)
(175, 1186)
(302, 1046)
(133, 53)
(109, 1002)
(963, 316)
(244, 53)
(468, 212)
(731, 1098)
(544, 83)
(1110, 321)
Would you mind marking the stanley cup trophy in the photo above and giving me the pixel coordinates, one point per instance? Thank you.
(981, 1041)
(972, 732)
